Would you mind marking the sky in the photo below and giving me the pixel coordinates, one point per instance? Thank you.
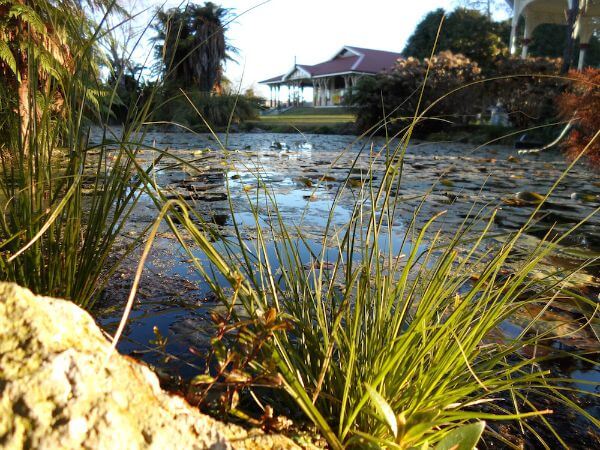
(270, 34)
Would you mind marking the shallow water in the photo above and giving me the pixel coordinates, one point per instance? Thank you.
(304, 178)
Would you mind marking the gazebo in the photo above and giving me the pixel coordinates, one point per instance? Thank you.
(331, 80)
(537, 12)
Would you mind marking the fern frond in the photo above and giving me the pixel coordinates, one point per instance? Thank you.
(27, 14)
(8, 58)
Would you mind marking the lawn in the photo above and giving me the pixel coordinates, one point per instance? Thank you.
(308, 116)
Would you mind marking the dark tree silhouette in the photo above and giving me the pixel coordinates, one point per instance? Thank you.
(191, 45)
(464, 31)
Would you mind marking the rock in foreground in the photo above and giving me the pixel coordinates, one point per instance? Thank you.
(58, 390)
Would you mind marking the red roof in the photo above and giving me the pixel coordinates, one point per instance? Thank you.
(347, 60)
(336, 65)
(374, 61)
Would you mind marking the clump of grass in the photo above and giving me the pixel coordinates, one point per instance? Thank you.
(64, 200)
(388, 344)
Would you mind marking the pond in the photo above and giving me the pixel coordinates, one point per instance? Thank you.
(304, 173)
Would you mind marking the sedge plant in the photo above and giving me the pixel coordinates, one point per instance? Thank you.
(388, 344)
(64, 199)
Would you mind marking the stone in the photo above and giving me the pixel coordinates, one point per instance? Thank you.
(62, 387)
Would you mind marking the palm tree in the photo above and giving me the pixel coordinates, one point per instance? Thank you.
(191, 45)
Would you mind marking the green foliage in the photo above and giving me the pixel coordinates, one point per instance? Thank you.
(64, 199)
(397, 93)
(464, 31)
(202, 110)
(463, 438)
(387, 344)
(191, 48)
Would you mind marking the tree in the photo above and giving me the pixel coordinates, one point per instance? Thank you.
(40, 44)
(464, 31)
(488, 7)
(191, 45)
(549, 40)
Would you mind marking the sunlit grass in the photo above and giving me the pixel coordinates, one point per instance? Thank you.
(305, 119)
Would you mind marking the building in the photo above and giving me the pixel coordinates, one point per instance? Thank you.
(537, 12)
(331, 80)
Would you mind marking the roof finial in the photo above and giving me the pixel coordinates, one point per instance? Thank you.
(294, 60)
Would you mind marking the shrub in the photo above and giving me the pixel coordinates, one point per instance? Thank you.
(581, 102)
(527, 90)
(464, 31)
(396, 93)
(216, 109)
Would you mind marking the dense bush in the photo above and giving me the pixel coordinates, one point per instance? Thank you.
(464, 31)
(396, 93)
(581, 101)
(527, 89)
(215, 109)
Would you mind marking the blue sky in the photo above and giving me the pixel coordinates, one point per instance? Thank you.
(271, 34)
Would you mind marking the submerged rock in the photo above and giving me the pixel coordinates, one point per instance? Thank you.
(61, 389)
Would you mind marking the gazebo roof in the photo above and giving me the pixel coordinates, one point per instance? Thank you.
(348, 60)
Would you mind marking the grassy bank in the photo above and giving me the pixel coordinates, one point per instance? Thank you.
(306, 119)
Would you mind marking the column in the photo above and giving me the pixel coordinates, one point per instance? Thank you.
(270, 96)
(513, 27)
(531, 23)
(320, 96)
(525, 50)
(278, 96)
(582, 48)
(346, 88)
(584, 32)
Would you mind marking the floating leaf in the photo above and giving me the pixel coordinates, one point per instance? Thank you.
(304, 181)
(584, 197)
(355, 182)
(202, 379)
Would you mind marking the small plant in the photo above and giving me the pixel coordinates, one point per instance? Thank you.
(581, 102)
(236, 359)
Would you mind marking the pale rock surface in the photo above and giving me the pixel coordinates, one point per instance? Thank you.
(58, 391)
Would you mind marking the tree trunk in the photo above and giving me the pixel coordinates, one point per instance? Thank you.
(23, 93)
(572, 16)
